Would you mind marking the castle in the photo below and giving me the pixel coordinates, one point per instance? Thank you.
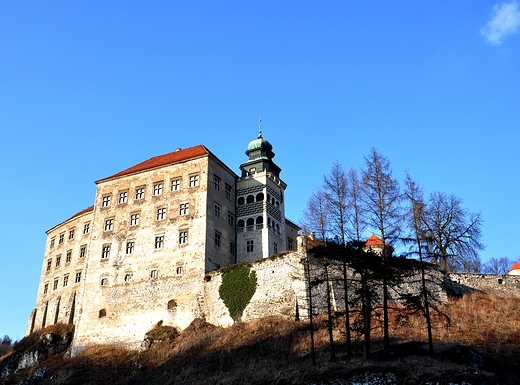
(141, 252)
(150, 248)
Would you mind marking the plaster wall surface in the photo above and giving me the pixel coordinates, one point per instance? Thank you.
(62, 272)
(149, 252)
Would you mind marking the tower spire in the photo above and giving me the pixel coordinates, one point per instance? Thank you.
(259, 126)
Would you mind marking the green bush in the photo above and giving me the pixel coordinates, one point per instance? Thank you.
(237, 288)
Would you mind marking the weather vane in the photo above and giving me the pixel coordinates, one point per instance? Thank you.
(259, 126)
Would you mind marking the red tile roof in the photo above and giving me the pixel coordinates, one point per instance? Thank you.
(516, 266)
(163, 160)
(374, 240)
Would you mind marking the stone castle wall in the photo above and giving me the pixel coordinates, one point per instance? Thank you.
(462, 283)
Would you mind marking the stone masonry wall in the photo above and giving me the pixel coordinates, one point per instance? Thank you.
(280, 286)
(463, 283)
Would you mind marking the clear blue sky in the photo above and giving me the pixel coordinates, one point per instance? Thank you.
(90, 88)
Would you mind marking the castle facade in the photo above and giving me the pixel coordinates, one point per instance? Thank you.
(140, 254)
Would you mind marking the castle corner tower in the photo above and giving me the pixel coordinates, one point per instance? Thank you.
(261, 224)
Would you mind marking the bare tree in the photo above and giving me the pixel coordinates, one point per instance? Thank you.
(355, 205)
(497, 266)
(316, 216)
(383, 212)
(453, 232)
(416, 211)
(336, 190)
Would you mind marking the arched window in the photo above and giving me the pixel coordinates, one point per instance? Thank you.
(278, 228)
(172, 304)
(250, 199)
(259, 197)
(241, 201)
(240, 224)
(277, 204)
(268, 198)
(250, 224)
(102, 313)
(272, 201)
(259, 223)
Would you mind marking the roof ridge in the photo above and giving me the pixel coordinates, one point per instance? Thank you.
(176, 156)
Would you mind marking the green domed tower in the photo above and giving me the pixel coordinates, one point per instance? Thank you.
(260, 153)
(260, 211)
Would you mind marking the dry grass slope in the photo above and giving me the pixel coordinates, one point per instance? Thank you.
(483, 331)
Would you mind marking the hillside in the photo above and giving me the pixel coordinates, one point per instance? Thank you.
(481, 345)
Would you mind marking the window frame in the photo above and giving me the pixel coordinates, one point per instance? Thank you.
(194, 180)
(184, 208)
(109, 224)
(217, 211)
(105, 251)
(123, 197)
(105, 201)
(134, 219)
(183, 237)
(175, 184)
(158, 188)
(130, 245)
(161, 214)
(139, 193)
(159, 242)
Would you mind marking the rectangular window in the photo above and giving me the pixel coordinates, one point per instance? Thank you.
(58, 260)
(230, 219)
(106, 252)
(232, 248)
(104, 281)
(45, 288)
(217, 211)
(68, 256)
(49, 264)
(109, 224)
(183, 237)
(289, 244)
(65, 280)
(78, 277)
(217, 238)
(228, 191)
(128, 277)
(179, 269)
(106, 201)
(55, 285)
(176, 184)
(184, 209)
(139, 193)
(275, 246)
(82, 251)
(71, 234)
(161, 213)
(86, 228)
(52, 243)
(153, 273)
(157, 188)
(159, 241)
(130, 247)
(62, 237)
(249, 246)
(134, 219)
(216, 183)
(194, 181)
(123, 197)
